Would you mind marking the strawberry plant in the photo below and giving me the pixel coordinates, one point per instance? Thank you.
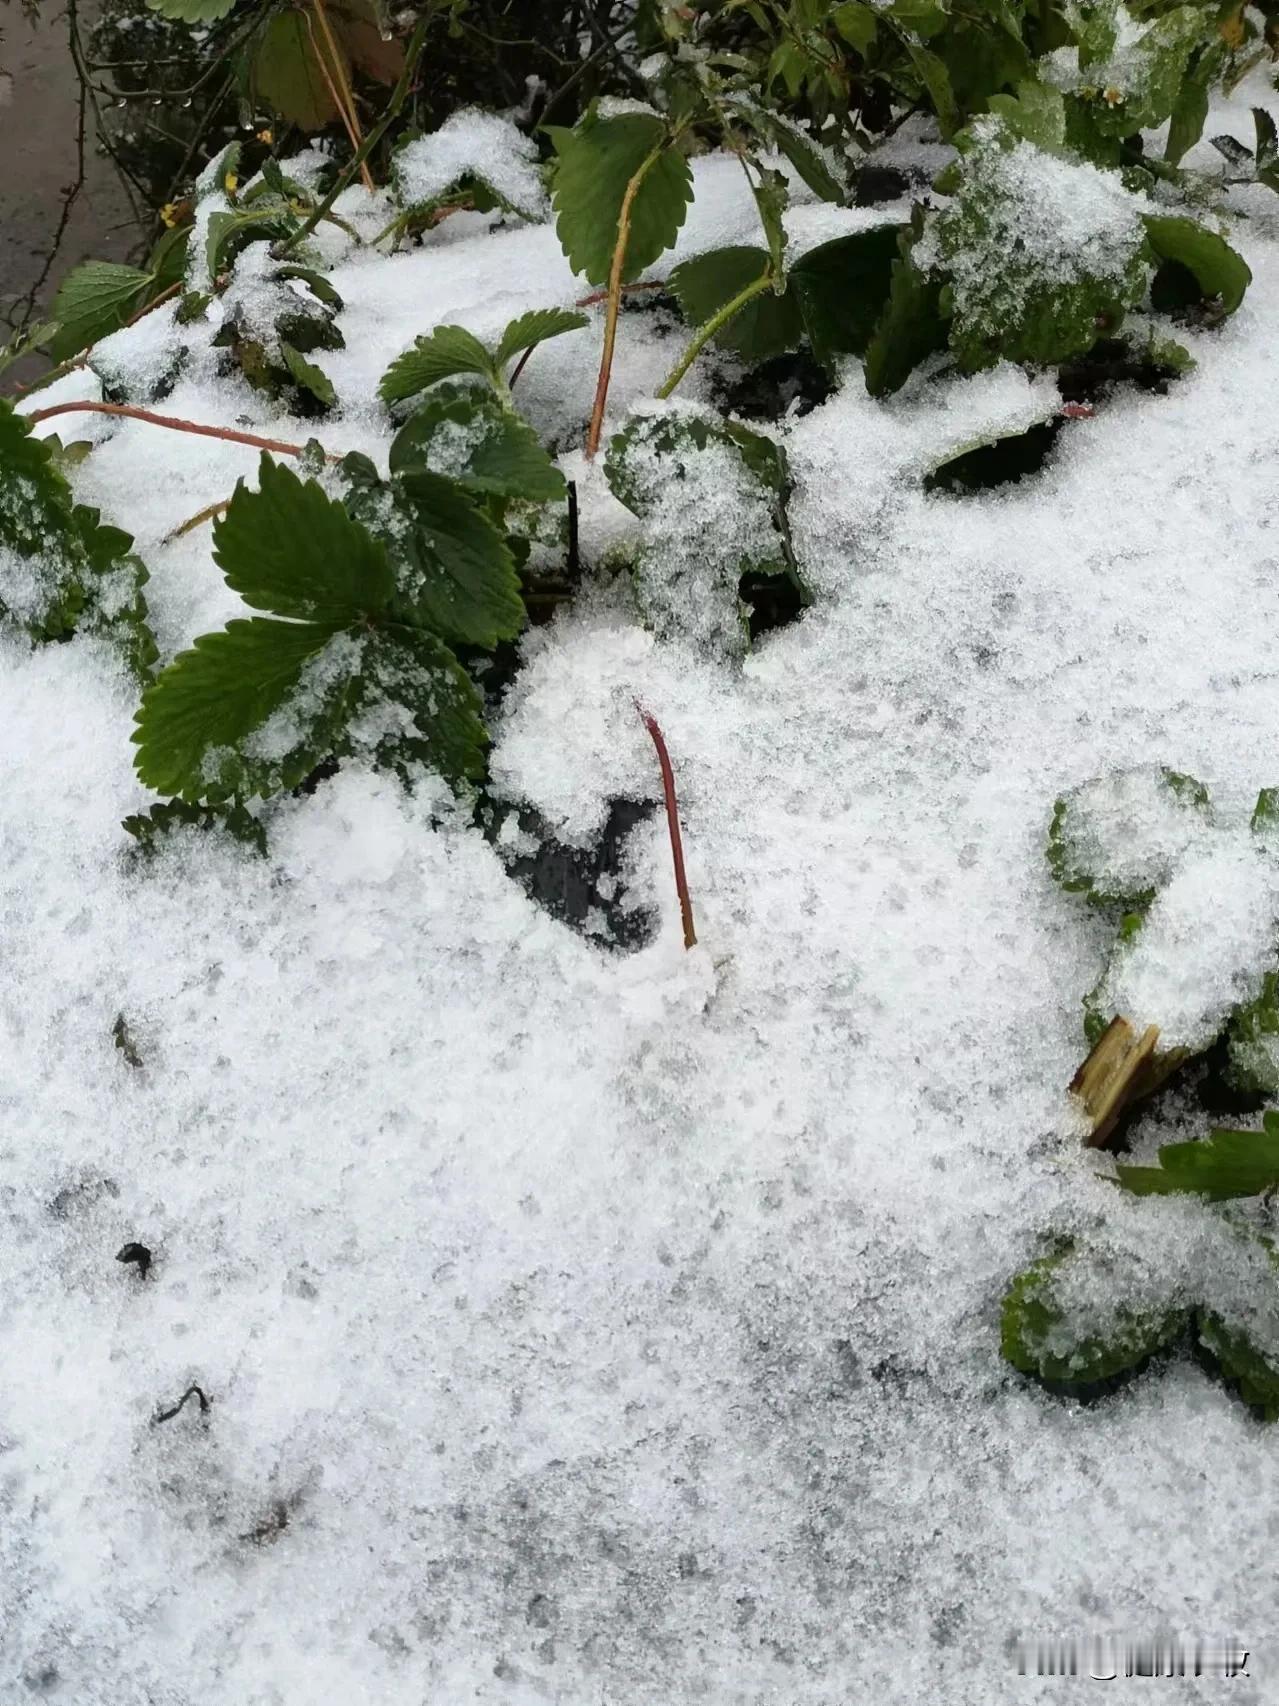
(1082, 1315)
(353, 656)
(710, 496)
(65, 572)
(1194, 957)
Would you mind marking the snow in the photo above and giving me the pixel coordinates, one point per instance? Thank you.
(478, 144)
(1027, 221)
(625, 1326)
(1205, 947)
(1125, 833)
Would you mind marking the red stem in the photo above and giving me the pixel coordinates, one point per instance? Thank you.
(130, 413)
(519, 366)
(672, 823)
(602, 295)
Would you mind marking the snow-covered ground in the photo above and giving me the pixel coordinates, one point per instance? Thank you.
(589, 1327)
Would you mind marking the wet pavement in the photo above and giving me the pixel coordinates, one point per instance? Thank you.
(47, 225)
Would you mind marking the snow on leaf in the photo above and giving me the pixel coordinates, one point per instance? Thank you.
(467, 435)
(708, 497)
(61, 571)
(454, 570)
(1051, 1327)
(247, 711)
(1042, 254)
(470, 146)
(1119, 838)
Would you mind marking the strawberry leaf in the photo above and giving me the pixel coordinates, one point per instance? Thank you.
(469, 436)
(596, 162)
(535, 328)
(442, 354)
(289, 549)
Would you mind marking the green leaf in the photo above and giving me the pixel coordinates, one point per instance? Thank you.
(1265, 814)
(857, 23)
(285, 74)
(535, 328)
(1118, 838)
(909, 331)
(1094, 28)
(192, 11)
(230, 229)
(805, 158)
(1252, 1042)
(151, 829)
(443, 353)
(290, 549)
(842, 287)
(1039, 1335)
(1040, 302)
(168, 258)
(992, 459)
(924, 17)
(290, 685)
(595, 164)
(765, 327)
(1255, 1373)
(115, 606)
(1190, 110)
(454, 570)
(1218, 269)
(1139, 86)
(468, 436)
(94, 299)
(771, 199)
(693, 554)
(1037, 113)
(314, 281)
(934, 76)
(982, 54)
(62, 572)
(415, 690)
(1224, 1165)
(255, 709)
(311, 378)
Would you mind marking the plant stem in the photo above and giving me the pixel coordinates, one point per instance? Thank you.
(672, 824)
(436, 217)
(130, 413)
(335, 94)
(411, 56)
(1118, 1071)
(352, 118)
(157, 301)
(519, 367)
(708, 330)
(196, 520)
(615, 297)
(602, 295)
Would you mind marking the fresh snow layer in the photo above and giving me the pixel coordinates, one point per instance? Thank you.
(587, 1327)
(474, 144)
